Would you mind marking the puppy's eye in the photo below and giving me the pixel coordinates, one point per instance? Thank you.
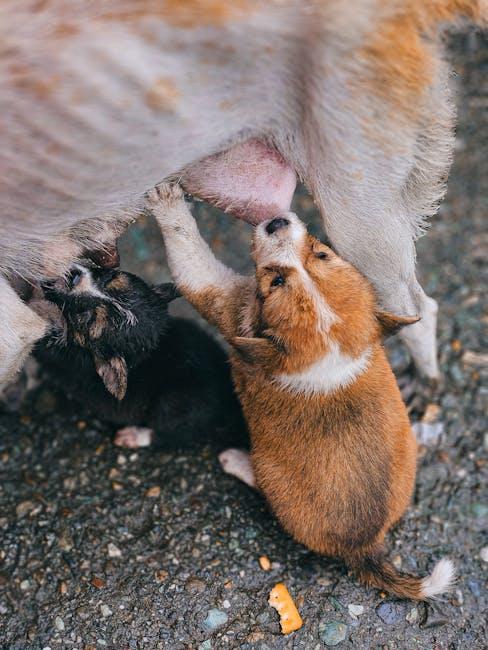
(75, 278)
(321, 255)
(278, 281)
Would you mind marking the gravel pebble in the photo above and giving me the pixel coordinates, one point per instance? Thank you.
(390, 612)
(59, 623)
(355, 610)
(215, 618)
(333, 633)
(113, 551)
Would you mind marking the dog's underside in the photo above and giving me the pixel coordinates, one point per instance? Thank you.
(234, 99)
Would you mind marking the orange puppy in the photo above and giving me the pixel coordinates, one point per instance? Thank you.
(332, 447)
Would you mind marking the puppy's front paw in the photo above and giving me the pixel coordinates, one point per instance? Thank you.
(164, 196)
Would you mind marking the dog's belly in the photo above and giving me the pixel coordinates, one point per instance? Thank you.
(250, 180)
(96, 113)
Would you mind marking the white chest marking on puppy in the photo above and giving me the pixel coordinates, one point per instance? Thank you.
(334, 370)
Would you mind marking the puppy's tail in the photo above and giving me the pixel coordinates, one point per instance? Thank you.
(376, 571)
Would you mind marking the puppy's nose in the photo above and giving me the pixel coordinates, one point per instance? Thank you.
(276, 224)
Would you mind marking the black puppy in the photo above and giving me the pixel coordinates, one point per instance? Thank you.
(119, 352)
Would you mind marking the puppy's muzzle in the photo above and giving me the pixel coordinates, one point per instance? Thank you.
(276, 224)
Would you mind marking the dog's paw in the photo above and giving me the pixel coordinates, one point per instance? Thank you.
(238, 463)
(164, 195)
(133, 437)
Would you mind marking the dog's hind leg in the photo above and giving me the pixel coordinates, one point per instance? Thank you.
(21, 329)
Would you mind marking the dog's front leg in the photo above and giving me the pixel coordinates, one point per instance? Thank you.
(21, 329)
(210, 286)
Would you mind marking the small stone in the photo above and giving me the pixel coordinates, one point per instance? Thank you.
(161, 575)
(264, 563)
(24, 585)
(24, 508)
(114, 473)
(117, 486)
(413, 616)
(98, 583)
(484, 554)
(355, 610)
(324, 582)
(471, 358)
(195, 585)
(121, 459)
(113, 551)
(456, 345)
(428, 434)
(206, 645)
(153, 492)
(226, 604)
(333, 633)
(458, 598)
(105, 610)
(59, 623)
(390, 613)
(81, 424)
(479, 510)
(397, 562)
(215, 619)
(474, 587)
(431, 414)
(63, 588)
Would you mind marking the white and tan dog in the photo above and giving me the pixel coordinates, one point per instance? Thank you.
(236, 98)
(332, 447)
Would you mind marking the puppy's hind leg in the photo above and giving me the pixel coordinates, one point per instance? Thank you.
(237, 462)
(134, 437)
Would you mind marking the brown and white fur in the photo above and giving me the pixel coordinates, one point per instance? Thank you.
(332, 447)
(236, 99)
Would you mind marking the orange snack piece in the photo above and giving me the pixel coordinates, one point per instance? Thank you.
(280, 599)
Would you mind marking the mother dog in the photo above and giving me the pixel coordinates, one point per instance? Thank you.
(237, 99)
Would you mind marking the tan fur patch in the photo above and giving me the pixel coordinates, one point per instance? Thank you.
(99, 323)
(120, 282)
(187, 14)
(79, 338)
(401, 62)
(163, 95)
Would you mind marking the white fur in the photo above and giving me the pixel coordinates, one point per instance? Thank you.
(238, 463)
(334, 371)
(440, 580)
(86, 284)
(282, 248)
(20, 328)
(192, 263)
(134, 437)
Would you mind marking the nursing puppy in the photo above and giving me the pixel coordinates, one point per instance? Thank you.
(332, 447)
(117, 350)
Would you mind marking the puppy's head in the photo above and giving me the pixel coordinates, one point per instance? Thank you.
(113, 315)
(309, 301)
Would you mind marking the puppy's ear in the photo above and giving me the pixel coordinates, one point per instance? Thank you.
(391, 324)
(113, 372)
(255, 350)
(167, 291)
